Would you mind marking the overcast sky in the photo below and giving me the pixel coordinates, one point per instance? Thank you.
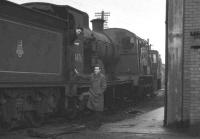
(145, 18)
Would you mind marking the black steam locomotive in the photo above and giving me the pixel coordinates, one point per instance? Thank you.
(42, 43)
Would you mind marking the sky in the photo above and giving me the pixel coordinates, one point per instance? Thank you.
(145, 18)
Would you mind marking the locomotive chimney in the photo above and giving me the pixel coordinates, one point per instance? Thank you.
(97, 24)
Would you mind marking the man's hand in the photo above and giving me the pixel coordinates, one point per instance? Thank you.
(75, 70)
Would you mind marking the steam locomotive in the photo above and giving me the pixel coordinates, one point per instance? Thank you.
(42, 43)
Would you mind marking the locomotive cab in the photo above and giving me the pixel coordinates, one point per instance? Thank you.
(156, 68)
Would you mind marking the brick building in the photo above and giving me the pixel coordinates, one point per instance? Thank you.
(183, 62)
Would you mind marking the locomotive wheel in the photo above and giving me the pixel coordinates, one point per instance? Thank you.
(32, 119)
(141, 92)
(150, 91)
(8, 126)
(72, 114)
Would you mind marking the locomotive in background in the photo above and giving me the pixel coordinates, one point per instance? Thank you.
(42, 43)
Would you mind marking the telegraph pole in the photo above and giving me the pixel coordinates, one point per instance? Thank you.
(104, 16)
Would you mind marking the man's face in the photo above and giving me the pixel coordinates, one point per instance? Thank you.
(96, 70)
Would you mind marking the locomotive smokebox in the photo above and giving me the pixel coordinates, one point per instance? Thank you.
(98, 25)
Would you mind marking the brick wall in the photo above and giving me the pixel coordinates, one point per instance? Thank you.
(191, 84)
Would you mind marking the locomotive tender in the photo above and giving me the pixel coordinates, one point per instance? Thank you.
(42, 43)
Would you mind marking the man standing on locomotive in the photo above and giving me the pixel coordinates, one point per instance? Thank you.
(95, 95)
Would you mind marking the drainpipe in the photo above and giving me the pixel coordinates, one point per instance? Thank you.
(182, 75)
(166, 63)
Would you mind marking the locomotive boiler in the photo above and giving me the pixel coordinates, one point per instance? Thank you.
(40, 46)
